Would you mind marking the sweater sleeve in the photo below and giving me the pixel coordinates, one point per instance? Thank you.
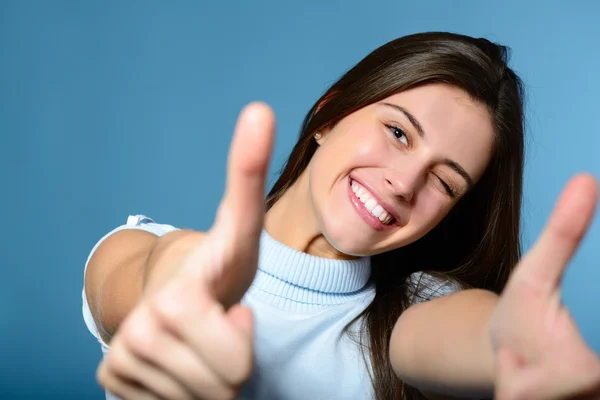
(140, 222)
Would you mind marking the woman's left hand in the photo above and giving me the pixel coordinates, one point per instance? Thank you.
(540, 353)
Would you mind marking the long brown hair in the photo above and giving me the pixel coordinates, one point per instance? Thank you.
(478, 243)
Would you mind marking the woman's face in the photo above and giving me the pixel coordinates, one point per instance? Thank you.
(405, 160)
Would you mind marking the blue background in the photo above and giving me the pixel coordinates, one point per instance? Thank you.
(121, 107)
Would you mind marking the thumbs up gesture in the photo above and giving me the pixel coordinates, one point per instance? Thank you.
(191, 339)
(540, 353)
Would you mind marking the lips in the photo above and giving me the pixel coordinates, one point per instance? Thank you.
(386, 206)
(370, 204)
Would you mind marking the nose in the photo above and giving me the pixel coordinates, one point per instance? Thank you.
(402, 184)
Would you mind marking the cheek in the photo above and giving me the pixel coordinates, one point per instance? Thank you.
(346, 150)
(357, 141)
(325, 171)
(428, 211)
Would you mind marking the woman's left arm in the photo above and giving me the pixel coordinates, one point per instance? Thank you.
(443, 345)
(521, 345)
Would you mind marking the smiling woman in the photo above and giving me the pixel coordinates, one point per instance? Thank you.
(404, 186)
(412, 167)
(431, 127)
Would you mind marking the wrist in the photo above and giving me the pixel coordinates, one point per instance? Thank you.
(487, 344)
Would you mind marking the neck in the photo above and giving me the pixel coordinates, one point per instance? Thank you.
(292, 221)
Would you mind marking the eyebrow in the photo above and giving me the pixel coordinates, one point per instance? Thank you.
(456, 167)
(459, 170)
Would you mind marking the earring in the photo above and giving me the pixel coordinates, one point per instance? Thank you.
(318, 135)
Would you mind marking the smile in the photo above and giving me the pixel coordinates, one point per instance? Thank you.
(373, 213)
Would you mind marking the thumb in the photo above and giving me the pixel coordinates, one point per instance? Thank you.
(545, 263)
(241, 212)
(241, 317)
(228, 257)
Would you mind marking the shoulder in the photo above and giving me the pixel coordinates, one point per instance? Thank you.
(118, 254)
(134, 223)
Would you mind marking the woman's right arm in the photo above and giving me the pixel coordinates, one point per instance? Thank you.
(171, 305)
(127, 265)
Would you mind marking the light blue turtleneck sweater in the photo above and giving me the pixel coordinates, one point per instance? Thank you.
(301, 304)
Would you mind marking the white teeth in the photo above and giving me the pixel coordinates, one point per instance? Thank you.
(377, 211)
(371, 204)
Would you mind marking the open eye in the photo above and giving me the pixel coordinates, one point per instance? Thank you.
(398, 134)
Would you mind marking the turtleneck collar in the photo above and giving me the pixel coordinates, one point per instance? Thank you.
(289, 275)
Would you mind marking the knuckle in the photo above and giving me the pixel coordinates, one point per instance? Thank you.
(102, 374)
(168, 310)
(138, 336)
(106, 380)
(107, 377)
(118, 361)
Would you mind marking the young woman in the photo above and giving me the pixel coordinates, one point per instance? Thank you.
(377, 269)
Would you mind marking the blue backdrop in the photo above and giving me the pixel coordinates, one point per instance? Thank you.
(119, 107)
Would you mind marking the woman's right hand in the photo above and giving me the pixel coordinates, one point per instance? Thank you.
(191, 339)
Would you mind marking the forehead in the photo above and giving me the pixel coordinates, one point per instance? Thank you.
(455, 125)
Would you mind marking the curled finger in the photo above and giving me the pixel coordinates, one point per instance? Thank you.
(203, 325)
(181, 362)
(152, 377)
(121, 387)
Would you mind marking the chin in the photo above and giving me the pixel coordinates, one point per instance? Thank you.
(351, 241)
(340, 236)
(347, 247)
